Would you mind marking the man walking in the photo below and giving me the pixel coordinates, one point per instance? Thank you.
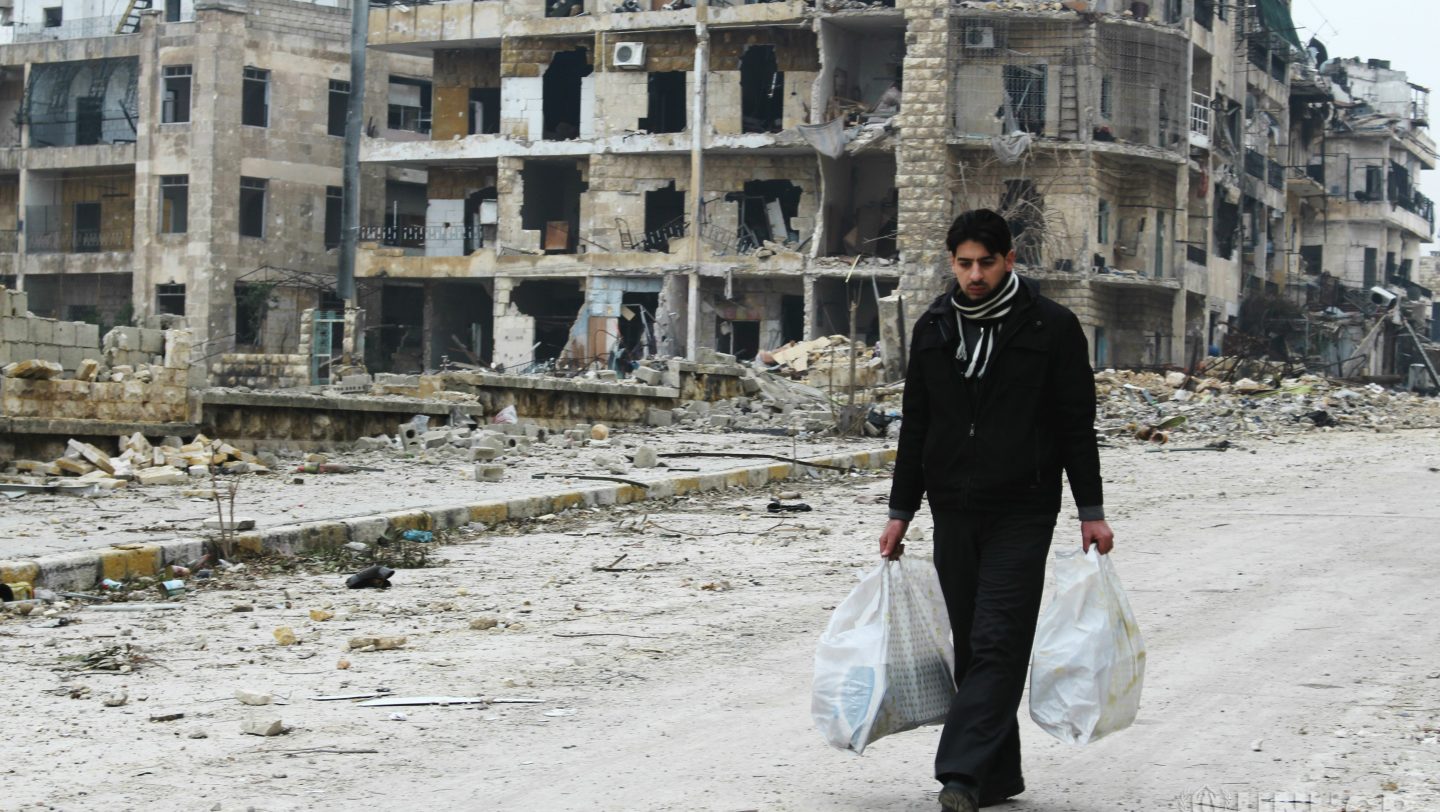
(999, 398)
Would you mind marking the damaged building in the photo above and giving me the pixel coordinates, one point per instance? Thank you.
(183, 162)
(1139, 149)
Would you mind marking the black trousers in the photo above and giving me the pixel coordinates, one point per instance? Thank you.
(992, 571)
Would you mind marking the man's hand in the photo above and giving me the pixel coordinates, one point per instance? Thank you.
(1098, 533)
(892, 539)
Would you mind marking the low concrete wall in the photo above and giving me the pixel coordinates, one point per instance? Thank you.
(555, 402)
(251, 420)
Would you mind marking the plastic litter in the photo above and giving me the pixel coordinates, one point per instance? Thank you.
(506, 415)
(885, 663)
(377, 577)
(422, 536)
(1088, 665)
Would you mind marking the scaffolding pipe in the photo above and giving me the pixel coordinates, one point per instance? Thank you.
(697, 177)
(354, 130)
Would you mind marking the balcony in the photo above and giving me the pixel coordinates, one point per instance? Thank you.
(1421, 205)
(1305, 181)
(1275, 175)
(1254, 164)
(79, 241)
(1200, 113)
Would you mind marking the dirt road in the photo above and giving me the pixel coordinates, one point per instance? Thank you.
(1287, 598)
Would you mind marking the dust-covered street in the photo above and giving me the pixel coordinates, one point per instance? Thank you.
(1283, 589)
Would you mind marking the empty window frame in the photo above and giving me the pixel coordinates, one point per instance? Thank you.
(334, 195)
(174, 204)
(175, 94)
(255, 98)
(54, 16)
(1107, 97)
(172, 11)
(409, 105)
(1025, 92)
(170, 300)
(339, 104)
(252, 207)
(1102, 224)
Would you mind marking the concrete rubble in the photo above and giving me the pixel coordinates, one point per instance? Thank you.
(173, 462)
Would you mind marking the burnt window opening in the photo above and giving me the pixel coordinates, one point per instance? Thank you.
(170, 300)
(1372, 269)
(409, 105)
(1227, 223)
(664, 218)
(54, 16)
(484, 112)
(551, 204)
(175, 103)
(666, 113)
(174, 204)
(1025, 94)
(400, 335)
(561, 87)
(255, 98)
(338, 109)
(555, 305)
(564, 8)
(482, 218)
(405, 205)
(1374, 185)
(1312, 259)
(462, 326)
(738, 338)
(334, 200)
(1024, 206)
(833, 297)
(765, 208)
(762, 91)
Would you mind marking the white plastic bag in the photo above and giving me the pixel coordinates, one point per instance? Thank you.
(1089, 661)
(885, 663)
(506, 415)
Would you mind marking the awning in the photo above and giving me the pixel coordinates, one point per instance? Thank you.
(1275, 16)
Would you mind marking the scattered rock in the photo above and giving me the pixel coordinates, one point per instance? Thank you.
(263, 726)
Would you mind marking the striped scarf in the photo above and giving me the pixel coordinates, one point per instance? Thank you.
(987, 316)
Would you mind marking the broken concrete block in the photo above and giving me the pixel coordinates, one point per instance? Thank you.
(409, 437)
(434, 439)
(263, 726)
(92, 455)
(75, 466)
(162, 475)
(197, 470)
(33, 369)
(613, 463)
(750, 386)
(377, 643)
(483, 453)
(659, 417)
(645, 457)
(460, 438)
(648, 376)
(87, 370)
(1175, 380)
(699, 408)
(511, 429)
(721, 421)
(488, 473)
(254, 698)
(606, 375)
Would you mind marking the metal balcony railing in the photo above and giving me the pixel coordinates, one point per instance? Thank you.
(78, 241)
(1275, 175)
(1254, 164)
(78, 28)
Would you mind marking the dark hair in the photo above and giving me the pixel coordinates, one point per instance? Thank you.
(983, 226)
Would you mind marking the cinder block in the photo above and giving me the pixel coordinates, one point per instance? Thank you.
(42, 331)
(152, 342)
(71, 357)
(14, 329)
(87, 335)
(22, 350)
(19, 303)
(66, 333)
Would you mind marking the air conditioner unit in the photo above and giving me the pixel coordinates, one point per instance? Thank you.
(630, 55)
(979, 37)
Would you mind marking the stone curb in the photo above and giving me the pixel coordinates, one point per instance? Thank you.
(82, 570)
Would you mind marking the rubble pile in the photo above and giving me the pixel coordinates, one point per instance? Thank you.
(1175, 408)
(172, 462)
(825, 362)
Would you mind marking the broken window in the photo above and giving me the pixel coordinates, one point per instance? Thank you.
(564, 8)
(174, 204)
(1227, 223)
(482, 218)
(1102, 229)
(252, 207)
(555, 305)
(551, 204)
(1107, 97)
(739, 338)
(1025, 93)
(1372, 270)
(484, 111)
(255, 98)
(664, 218)
(666, 113)
(339, 107)
(1024, 206)
(792, 318)
(175, 105)
(170, 300)
(405, 205)
(1312, 259)
(334, 197)
(562, 90)
(637, 325)
(764, 211)
(762, 85)
(54, 16)
(409, 108)
(400, 333)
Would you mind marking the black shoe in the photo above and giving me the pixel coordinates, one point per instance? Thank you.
(1000, 795)
(956, 797)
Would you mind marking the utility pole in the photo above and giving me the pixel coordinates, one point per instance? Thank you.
(354, 131)
(697, 176)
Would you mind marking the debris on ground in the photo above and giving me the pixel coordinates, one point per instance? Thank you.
(173, 462)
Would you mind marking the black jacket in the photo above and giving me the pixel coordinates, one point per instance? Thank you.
(999, 443)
